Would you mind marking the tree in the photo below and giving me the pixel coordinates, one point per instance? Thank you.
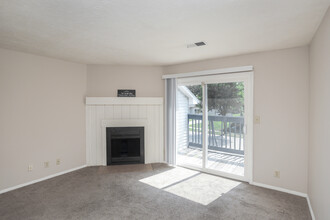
(223, 97)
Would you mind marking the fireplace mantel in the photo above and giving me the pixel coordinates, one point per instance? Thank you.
(124, 100)
(102, 112)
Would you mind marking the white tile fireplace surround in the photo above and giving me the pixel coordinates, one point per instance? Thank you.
(103, 112)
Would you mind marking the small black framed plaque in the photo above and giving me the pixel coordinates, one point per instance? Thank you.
(126, 93)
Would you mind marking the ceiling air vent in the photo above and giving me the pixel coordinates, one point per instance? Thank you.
(197, 44)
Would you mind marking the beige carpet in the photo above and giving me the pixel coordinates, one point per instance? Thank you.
(153, 191)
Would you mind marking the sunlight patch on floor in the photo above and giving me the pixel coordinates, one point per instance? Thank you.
(168, 178)
(192, 185)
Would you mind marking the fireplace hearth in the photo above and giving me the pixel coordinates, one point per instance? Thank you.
(125, 145)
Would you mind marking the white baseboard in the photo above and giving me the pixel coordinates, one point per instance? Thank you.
(310, 208)
(41, 179)
(279, 189)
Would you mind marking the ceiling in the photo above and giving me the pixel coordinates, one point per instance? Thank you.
(155, 32)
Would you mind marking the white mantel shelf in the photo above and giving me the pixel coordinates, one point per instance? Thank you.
(124, 100)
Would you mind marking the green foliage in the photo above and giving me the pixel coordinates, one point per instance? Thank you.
(222, 97)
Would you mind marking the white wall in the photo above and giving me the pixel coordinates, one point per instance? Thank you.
(104, 80)
(42, 116)
(281, 100)
(319, 146)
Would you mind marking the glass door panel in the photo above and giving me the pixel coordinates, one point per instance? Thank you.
(225, 148)
(189, 115)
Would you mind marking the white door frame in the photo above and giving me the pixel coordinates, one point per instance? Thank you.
(247, 78)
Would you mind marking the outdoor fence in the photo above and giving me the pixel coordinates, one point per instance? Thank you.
(225, 133)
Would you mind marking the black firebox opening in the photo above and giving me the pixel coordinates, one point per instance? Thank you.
(125, 145)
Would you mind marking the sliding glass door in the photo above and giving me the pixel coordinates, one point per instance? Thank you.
(225, 149)
(211, 123)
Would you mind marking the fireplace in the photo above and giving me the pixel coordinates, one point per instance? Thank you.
(125, 145)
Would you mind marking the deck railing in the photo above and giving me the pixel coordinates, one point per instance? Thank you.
(225, 133)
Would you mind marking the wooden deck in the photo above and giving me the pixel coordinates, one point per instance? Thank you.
(220, 161)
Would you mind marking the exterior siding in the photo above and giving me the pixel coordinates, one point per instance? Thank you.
(182, 104)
